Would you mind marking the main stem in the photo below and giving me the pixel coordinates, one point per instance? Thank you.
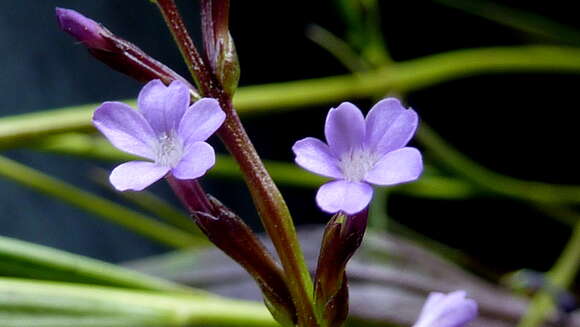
(269, 202)
(273, 212)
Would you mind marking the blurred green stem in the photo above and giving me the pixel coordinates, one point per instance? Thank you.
(378, 216)
(287, 174)
(492, 181)
(562, 274)
(23, 259)
(32, 299)
(527, 22)
(136, 222)
(151, 203)
(404, 76)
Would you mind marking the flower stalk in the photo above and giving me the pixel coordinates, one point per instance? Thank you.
(229, 233)
(195, 62)
(269, 202)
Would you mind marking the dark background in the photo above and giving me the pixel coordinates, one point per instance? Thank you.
(523, 125)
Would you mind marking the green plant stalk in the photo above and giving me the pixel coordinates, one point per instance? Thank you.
(491, 181)
(562, 275)
(404, 76)
(527, 22)
(136, 222)
(19, 258)
(154, 308)
(151, 203)
(270, 204)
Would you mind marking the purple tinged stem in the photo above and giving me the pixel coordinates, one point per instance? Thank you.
(190, 193)
(229, 233)
(197, 65)
(270, 204)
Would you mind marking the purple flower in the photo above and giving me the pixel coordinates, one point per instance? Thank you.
(447, 310)
(361, 152)
(165, 130)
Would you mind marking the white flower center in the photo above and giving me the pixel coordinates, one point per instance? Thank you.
(169, 151)
(356, 163)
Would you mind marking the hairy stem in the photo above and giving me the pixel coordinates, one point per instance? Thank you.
(195, 62)
(274, 214)
(269, 202)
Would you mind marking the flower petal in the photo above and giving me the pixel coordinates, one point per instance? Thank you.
(198, 158)
(344, 128)
(136, 175)
(447, 310)
(431, 303)
(163, 106)
(314, 155)
(350, 197)
(201, 120)
(399, 166)
(389, 126)
(125, 128)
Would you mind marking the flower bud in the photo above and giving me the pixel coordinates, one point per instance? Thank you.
(229, 233)
(219, 45)
(342, 237)
(116, 52)
(86, 30)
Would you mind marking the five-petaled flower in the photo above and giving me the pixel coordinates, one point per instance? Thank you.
(165, 129)
(447, 310)
(361, 152)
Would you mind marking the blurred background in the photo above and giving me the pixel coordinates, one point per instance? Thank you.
(524, 125)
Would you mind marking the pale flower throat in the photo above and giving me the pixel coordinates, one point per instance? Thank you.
(169, 150)
(356, 163)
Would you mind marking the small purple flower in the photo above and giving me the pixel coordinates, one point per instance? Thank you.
(165, 129)
(361, 152)
(447, 310)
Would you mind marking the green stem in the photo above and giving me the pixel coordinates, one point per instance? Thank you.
(562, 275)
(151, 203)
(429, 185)
(492, 181)
(107, 209)
(268, 200)
(152, 308)
(18, 258)
(409, 75)
(274, 214)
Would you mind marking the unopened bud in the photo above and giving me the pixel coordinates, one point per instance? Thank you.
(219, 45)
(342, 237)
(116, 52)
(85, 30)
(229, 233)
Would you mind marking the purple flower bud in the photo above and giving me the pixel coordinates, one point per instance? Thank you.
(116, 52)
(447, 310)
(342, 237)
(83, 29)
